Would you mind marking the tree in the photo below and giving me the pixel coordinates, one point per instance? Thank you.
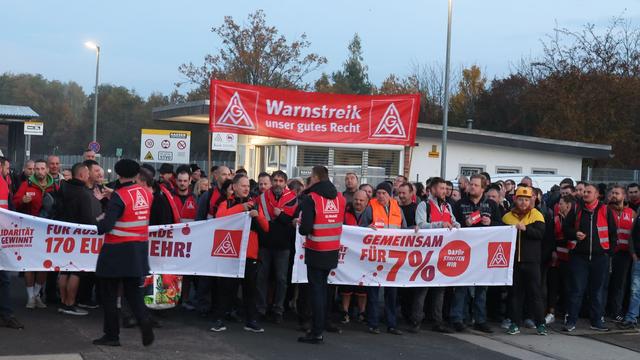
(354, 77)
(470, 88)
(255, 54)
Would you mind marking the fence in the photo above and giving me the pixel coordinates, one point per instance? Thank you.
(609, 175)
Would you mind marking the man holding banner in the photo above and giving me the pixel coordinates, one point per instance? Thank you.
(123, 258)
(322, 216)
(383, 212)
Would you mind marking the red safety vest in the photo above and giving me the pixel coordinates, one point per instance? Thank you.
(602, 224)
(327, 225)
(437, 214)
(133, 224)
(562, 251)
(188, 209)
(267, 201)
(4, 194)
(624, 223)
(213, 200)
(174, 208)
(350, 219)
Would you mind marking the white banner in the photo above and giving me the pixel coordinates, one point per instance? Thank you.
(404, 258)
(215, 247)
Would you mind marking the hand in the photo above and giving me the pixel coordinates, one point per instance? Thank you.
(98, 194)
(100, 217)
(554, 257)
(416, 228)
(447, 225)
(580, 235)
(486, 220)
(277, 211)
(253, 213)
(373, 227)
(634, 256)
(107, 192)
(26, 199)
(247, 206)
(296, 222)
(468, 221)
(520, 226)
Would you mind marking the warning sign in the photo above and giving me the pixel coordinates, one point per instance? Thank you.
(169, 146)
(224, 141)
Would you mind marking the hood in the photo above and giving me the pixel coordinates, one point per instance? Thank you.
(36, 183)
(325, 189)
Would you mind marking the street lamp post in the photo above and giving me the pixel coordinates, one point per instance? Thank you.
(96, 47)
(445, 115)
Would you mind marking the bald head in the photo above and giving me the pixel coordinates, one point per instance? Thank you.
(360, 200)
(222, 174)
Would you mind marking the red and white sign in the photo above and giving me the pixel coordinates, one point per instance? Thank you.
(435, 257)
(314, 117)
(28, 243)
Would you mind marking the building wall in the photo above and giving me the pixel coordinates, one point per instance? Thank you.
(489, 157)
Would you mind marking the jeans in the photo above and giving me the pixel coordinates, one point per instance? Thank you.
(634, 299)
(417, 306)
(318, 293)
(204, 290)
(390, 306)
(460, 294)
(592, 273)
(279, 261)
(620, 264)
(228, 289)
(133, 293)
(5, 306)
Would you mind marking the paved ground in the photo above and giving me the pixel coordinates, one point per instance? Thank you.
(184, 335)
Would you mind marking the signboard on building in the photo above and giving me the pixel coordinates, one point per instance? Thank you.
(165, 146)
(313, 117)
(34, 128)
(224, 141)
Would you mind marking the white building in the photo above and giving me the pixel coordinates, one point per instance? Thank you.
(469, 151)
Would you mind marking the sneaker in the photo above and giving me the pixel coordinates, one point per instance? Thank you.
(569, 327)
(362, 317)
(618, 319)
(311, 339)
(542, 330)
(218, 326)
(344, 317)
(31, 303)
(39, 303)
(253, 327)
(374, 330)
(88, 305)
(105, 341)
(599, 327)
(10, 322)
(513, 329)
(627, 325)
(529, 324)
(394, 331)
(72, 310)
(483, 328)
(414, 328)
(549, 319)
(458, 327)
(332, 328)
(442, 328)
(506, 323)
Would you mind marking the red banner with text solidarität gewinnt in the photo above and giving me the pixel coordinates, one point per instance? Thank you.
(314, 117)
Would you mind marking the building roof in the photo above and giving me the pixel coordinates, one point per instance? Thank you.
(14, 112)
(198, 112)
(586, 150)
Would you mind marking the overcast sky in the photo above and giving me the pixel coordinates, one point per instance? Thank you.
(144, 42)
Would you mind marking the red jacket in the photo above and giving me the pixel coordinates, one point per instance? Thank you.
(35, 205)
(225, 210)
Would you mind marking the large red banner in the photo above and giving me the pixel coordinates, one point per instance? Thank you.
(314, 117)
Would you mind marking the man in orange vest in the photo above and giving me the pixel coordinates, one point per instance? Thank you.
(383, 212)
(123, 258)
(621, 259)
(591, 235)
(322, 216)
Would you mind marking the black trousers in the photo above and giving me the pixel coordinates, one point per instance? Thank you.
(318, 294)
(619, 282)
(135, 298)
(228, 288)
(85, 289)
(527, 286)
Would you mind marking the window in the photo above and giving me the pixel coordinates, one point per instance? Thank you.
(468, 170)
(508, 170)
(382, 165)
(543, 171)
(312, 156)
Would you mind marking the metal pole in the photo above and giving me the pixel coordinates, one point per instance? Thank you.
(445, 116)
(95, 100)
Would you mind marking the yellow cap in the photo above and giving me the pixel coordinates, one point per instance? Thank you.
(524, 191)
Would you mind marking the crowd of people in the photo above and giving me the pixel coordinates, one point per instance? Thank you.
(576, 250)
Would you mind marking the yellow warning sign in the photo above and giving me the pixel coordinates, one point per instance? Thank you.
(148, 156)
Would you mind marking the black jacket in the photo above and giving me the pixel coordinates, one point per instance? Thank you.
(634, 245)
(80, 206)
(325, 260)
(487, 207)
(588, 225)
(161, 213)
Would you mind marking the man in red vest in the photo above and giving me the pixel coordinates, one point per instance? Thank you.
(183, 198)
(621, 259)
(322, 216)
(123, 258)
(591, 236)
(633, 193)
(434, 213)
(278, 204)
